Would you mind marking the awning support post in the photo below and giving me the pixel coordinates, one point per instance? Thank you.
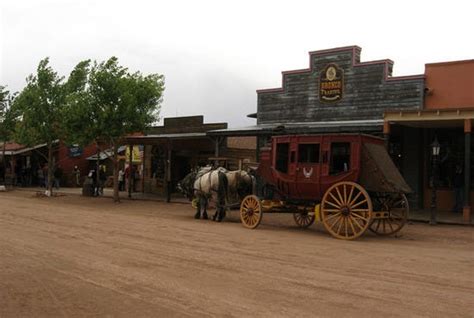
(467, 170)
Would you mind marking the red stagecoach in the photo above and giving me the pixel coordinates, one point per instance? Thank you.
(349, 178)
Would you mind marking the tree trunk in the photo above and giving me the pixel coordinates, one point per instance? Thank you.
(116, 170)
(50, 169)
(97, 170)
(4, 150)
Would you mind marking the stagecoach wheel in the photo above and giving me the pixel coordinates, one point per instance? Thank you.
(396, 204)
(251, 211)
(304, 219)
(346, 210)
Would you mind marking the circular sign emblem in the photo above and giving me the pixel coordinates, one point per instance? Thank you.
(331, 73)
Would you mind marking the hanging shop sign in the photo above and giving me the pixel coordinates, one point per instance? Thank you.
(75, 151)
(137, 153)
(331, 83)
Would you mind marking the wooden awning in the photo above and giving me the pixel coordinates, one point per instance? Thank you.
(429, 118)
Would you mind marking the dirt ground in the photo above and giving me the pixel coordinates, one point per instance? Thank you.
(88, 257)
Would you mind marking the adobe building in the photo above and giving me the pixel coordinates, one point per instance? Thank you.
(447, 116)
(23, 162)
(339, 93)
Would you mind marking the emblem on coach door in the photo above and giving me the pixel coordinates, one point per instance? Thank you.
(307, 174)
(331, 83)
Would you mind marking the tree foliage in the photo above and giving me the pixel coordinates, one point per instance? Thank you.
(7, 122)
(41, 106)
(7, 117)
(110, 104)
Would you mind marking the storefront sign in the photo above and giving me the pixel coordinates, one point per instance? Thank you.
(331, 83)
(137, 154)
(75, 151)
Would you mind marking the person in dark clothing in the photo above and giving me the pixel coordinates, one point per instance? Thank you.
(458, 185)
(102, 179)
(58, 174)
(93, 176)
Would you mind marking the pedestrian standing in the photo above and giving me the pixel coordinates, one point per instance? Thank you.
(102, 180)
(121, 176)
(40, 174)
(77, 176)
(58, 174)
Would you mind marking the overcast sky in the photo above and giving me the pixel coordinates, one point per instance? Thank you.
(215, 54)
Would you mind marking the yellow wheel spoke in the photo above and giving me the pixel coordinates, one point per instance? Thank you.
(332, 216)
(345, 194)
(359, 203)
(339, 196)
(340, 225)
(359, 216)
(336, 222)
(356, 222)
(345, 227)
(333, 204)
(352, 225)
(334, 198)
(332, 210)
(355, 198)
(350, 195)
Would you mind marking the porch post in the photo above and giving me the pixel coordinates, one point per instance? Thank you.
(386, 133)
(467, 170)
(168, 172)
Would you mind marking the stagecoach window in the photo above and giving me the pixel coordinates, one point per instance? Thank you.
(340, 157)
(282, 157)
(308, 153)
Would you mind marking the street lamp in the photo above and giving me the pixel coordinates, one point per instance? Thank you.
(435, 148)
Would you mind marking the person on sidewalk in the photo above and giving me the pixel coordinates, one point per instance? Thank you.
(102, 180)
(58, 174)
(121, 180)
(77, 176)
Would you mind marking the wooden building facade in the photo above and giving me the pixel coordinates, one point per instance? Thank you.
(336, 93)
(179, 145)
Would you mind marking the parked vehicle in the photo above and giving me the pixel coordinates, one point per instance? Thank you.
(349, 178)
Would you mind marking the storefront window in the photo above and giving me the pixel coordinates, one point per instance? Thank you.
(158, 162)
(451, 154)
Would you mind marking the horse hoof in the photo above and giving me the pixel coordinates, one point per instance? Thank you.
(196, 216)
(205, 217)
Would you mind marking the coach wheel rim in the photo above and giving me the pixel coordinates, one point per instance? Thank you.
(304, 219)
(251, 211)
(346, 210)
(396, 205)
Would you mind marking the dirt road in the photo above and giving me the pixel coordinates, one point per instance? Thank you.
(79, 257)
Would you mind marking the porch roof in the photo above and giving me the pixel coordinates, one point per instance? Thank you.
(371, 125)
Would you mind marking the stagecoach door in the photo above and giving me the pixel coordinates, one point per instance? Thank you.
(339, 157)
(308, 167)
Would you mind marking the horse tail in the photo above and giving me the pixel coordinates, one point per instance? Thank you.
(223, 187)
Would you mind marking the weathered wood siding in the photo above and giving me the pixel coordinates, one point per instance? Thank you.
(369, 90)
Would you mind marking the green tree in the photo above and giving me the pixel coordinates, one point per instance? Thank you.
(7, 121)
(42, 105)
(112, 104)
